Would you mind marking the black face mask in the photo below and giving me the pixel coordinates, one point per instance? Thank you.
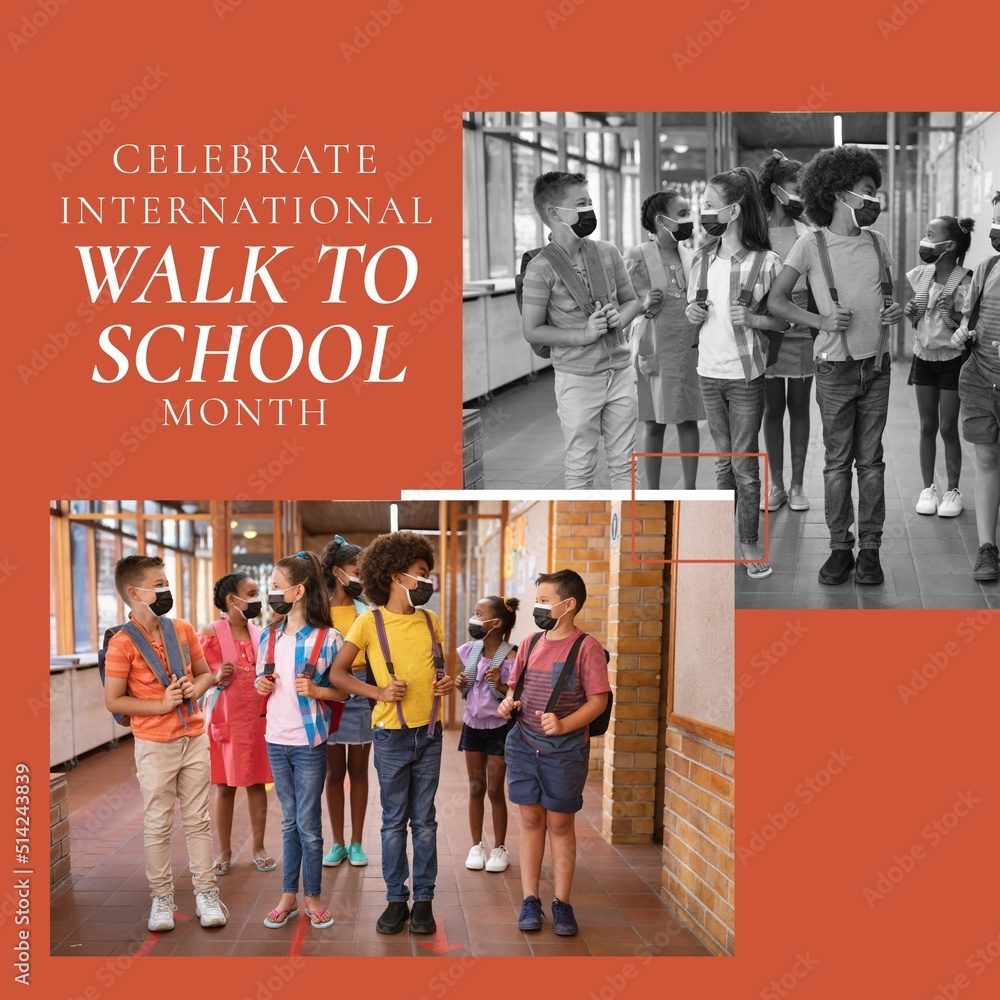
(252, 610)
(995, 238)
(794, 208)
(684, 231)
(543, 617)
(476, 630)
(163, 603)
(421, 593)
(867, 213)
(586, 221)
(277, 603)
(710, 223)
(929, 253)
(352, 588)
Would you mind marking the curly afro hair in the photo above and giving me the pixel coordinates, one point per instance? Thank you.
(776, 169)
(832, 171)
(393, 553)
(657, 204)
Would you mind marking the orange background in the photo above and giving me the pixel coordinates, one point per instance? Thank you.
(231, 63)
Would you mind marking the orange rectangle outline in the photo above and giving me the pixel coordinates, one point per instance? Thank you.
(765, 485)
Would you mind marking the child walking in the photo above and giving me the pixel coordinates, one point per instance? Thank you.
(728, 302)
(233, 720)
(403, 643)
(488, 661)
(577, 303)
(155, 672)
(293, 675)
(548, 753)
(940, 285)
(977, 389)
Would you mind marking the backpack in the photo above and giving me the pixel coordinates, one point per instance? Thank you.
(333, 709)
(175, 658)
(599, 726)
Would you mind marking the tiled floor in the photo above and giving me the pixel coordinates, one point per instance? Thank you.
(102, 908)
(927, 560)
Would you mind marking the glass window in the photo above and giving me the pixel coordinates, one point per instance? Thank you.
(170, 532)
(495, 119)
(527, 224)
(109, 605)
(499, 208)
(81, 568)
(611, 148)
(53, 586)
(594, 146)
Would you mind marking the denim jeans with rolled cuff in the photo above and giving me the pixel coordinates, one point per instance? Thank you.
(734, 409)
(408, 765)
(853, 398)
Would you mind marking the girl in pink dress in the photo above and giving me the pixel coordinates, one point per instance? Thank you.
(232, 718)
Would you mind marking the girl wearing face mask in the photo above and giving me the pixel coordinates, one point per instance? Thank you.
(296, 684)
(232, 718)
(788, 382)
(735, 269)
(488, 660)
(940, 285)
(395, 571)
(666, 380)
(349, 748)
(977, 389)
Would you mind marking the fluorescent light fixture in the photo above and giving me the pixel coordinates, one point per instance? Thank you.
(394, 517)
(838, 130)
(250, 533)
(681, 148)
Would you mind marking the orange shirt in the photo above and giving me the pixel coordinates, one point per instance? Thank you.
(124, 660)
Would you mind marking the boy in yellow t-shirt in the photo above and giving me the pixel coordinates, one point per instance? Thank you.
(406, 733)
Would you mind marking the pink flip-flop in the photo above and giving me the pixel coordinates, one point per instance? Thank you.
(266, 864)
(320, 918)
(278, 918)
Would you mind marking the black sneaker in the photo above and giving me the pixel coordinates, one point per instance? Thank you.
(987, 566)
(563, 921)
(422, 918)
(393, 918)
(837, 568)
(531, 914)
(869, 569)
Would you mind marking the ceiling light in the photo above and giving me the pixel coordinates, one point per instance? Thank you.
(250, 533)
(681, 148)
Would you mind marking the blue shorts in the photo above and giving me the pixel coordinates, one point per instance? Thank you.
(488, 741)
(553, 780)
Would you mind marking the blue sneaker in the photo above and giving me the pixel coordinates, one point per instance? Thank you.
(563, 921)
(334, 856)
(357, 856)
(531, 914)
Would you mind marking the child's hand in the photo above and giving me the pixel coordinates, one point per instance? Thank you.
(996, 344)
(695, 313)
(265, 684)
(551, 723)
(226, 670)
(613, 317)
(741, 316)
(172, 696)
(910, 309)
(394, 691)
(444, 686)
(507, 706)
(493, 675)
(305, 687)
(653, 301)
(961, 335)
(838, 321)
(461, 682)
(892, 314)
(187, 687)
(597, 325)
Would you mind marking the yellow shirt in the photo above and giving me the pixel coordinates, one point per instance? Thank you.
(412, 659)
(344, 616)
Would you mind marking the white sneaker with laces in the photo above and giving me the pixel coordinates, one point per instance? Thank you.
(927, 502)
(951, 504)
(499, 860)
(476, 861)
(161, 917)
(210, 909)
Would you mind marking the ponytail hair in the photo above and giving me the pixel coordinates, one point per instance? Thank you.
(959, 230)
(776, 169)
(305, 568)
(657, 204)
(740, 187)
(505, 608)
(337, 553)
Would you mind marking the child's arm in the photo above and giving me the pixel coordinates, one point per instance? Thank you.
(536, 331)
(305, 685)
(342, 678)
(780, 304)
(963, 333)
(117, 700)
(629, 304)
(201, 679)
(552, 725)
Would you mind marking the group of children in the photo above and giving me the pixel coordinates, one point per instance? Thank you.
(774, 302)
(302, 702)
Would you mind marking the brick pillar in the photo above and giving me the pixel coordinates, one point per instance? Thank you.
(58, 828)
(636, 633)
(582, 532)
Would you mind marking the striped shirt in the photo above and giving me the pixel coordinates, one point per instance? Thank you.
(751, 344)
(988, 326)
(543, 287)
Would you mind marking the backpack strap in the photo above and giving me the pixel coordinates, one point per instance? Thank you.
(885, 277)
(383, 641)
(519, 686)
(567, 669)
(824, 260)
(974, 314)
(268, 664)
(175, 659)
(472, 665)
(746, 291)
(561, 264)
(438, 671)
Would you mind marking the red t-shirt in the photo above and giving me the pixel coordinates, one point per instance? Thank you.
(589, 676)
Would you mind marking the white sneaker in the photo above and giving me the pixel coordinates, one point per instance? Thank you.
(499, 860)
(927, 502)
(211, 909)
(951, 504)
(477, 858)
(161, 917)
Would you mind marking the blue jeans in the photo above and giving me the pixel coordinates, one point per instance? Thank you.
(734, 409)
(853, 398)
(299, 775)
(408, 765)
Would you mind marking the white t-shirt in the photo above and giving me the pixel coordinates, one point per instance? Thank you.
(284, 716)
(718, 354)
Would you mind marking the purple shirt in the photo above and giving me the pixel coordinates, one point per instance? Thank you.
(480, 705)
